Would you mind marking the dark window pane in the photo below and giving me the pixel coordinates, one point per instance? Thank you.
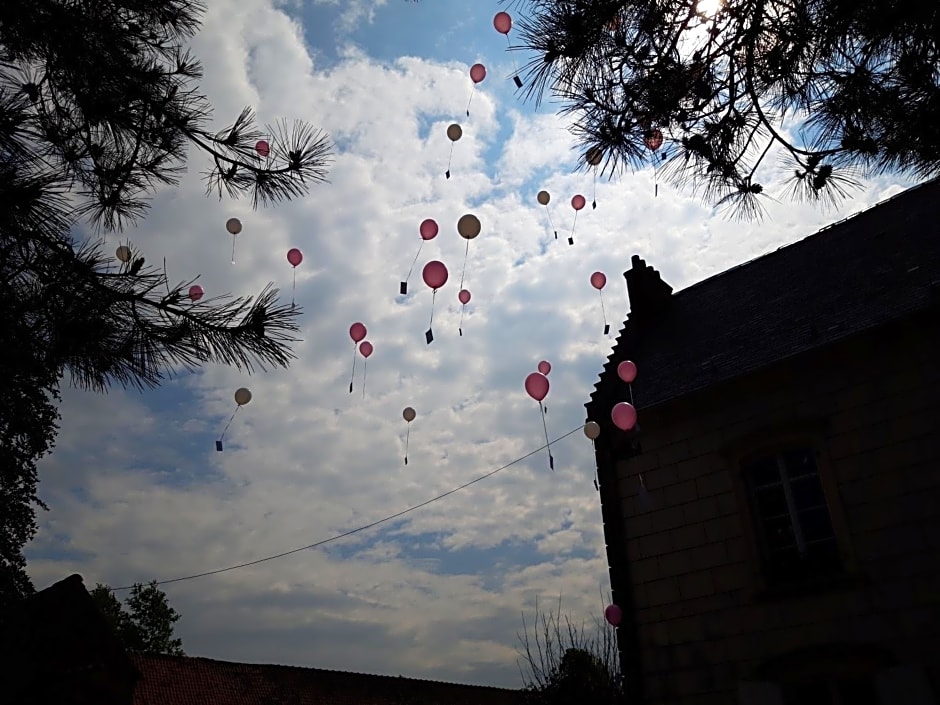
(762, 471)
(815, 524)
(807, 492)
(799, 462)
(771, 502)
(778, 533)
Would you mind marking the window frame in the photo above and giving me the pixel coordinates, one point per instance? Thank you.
(774, 440)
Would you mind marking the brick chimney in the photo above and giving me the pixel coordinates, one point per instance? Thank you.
(648, 293)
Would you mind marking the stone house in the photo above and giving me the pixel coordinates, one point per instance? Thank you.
(773, 520)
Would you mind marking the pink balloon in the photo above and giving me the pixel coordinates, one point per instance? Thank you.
(196, 292)
(545, 367)
(578, 202)
(624, 416)
(536, 384)
(428, 229)
(598, 280)
(357, 332)
(613, 615)
(477, 73)
(435, 274)
(366, 348)
(262, 148)
(295, 256)
(626, 370)
(464, 296)
(502, 22)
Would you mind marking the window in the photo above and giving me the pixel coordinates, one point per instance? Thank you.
(791, 515)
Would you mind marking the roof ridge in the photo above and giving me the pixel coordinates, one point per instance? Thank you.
(188, 658)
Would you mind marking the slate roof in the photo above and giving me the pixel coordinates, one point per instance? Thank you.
(187, 680)
(868, 270)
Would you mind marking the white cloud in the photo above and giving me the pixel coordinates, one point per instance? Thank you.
(438, 594)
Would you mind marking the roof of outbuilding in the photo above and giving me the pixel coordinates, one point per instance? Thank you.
(187, 680)
(866, 271)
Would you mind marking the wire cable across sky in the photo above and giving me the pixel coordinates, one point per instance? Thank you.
(384, 520)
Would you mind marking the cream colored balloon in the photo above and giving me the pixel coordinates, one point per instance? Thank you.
(468, 226)
(592, 430)
(123, 253)
(454, 132)
(233, 225)
(242, 396)
(408, 414)
(543, 197)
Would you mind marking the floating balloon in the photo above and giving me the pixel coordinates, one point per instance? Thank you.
(536, 386)
(262, 148)
(464, 297)
(577, 202)
(428, 231)
(653, 139)
(295, 257)
(594, 157)
(123, 253)
(592, 430)
(624, 416)
(626, 370)
(408, 414)
(613, 615)
(357, 331)
(196, 292)
(454, 133)
(545, 367)
(468, 226)
(477, 74)
(435, 276)
(365, 349)
(503, 23)
(234, 226)
(598, 280)
(242, 397)
(543, 197)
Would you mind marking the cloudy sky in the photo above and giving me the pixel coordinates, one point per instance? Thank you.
(136, 489)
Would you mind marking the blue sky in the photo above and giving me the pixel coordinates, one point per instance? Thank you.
(136, 489)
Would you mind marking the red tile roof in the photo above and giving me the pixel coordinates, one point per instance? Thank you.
(187, 680)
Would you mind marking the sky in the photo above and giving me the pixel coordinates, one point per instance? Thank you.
(136, 489)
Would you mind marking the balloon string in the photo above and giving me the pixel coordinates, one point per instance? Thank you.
(433, 297)
(411, 268)
(465, 255)
(229, 423)
(630, 388)
(594, 197)
(548, 443)
(573, 225)
(603, 310)
(451, 157)
(515, 69)
(472, 91)
(407, 438)
(365, 371)
(294, 289)
(353, 375)
(594, 462)
(460, 325)
(233, 249)
(550, 221)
